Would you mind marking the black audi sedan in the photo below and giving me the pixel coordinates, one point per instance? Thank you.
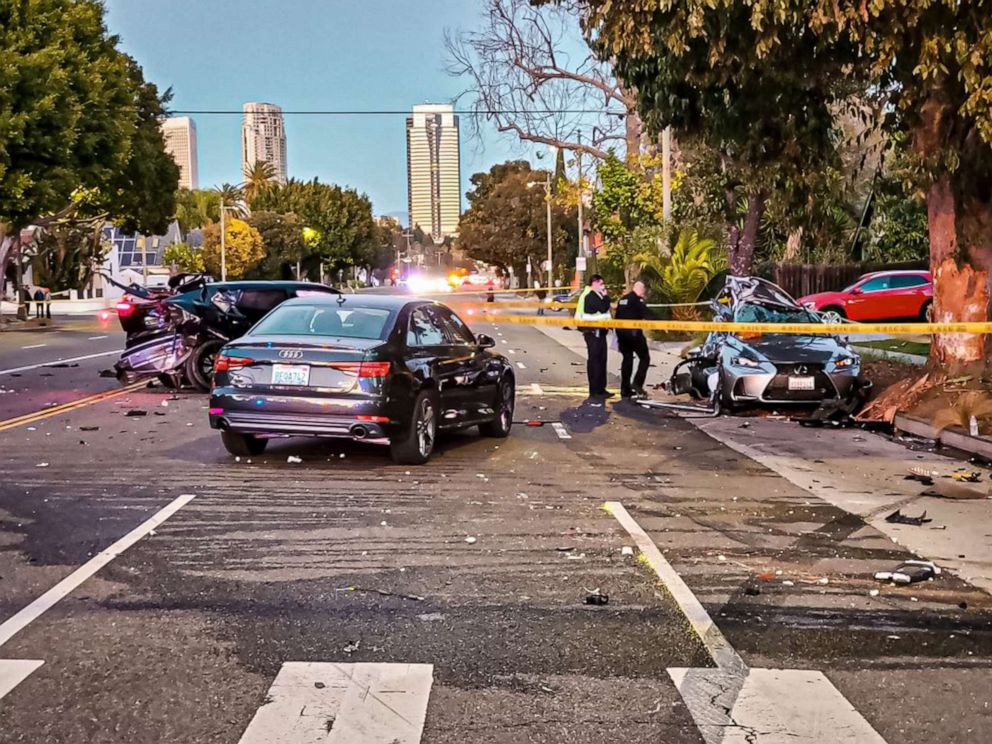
(381, 368)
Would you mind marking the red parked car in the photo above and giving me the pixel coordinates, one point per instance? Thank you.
(883, 295)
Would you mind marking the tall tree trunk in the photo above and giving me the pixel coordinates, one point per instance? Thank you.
(741, 242)
(632, 135)
(961, 265)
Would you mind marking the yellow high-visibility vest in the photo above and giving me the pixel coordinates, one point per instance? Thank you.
(581, 314)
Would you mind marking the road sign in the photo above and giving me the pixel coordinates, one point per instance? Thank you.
(580, 263)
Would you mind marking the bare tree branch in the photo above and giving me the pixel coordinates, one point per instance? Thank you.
(530, 72)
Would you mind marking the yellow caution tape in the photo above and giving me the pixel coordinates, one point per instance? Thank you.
(704, 326)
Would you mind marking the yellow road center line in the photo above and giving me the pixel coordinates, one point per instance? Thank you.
(30, 418)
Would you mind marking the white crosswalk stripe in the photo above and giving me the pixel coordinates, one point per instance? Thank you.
(343, 704)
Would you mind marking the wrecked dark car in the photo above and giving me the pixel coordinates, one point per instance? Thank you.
(181, 334)
(732, 371)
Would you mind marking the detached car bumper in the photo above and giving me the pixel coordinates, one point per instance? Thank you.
(341, 417)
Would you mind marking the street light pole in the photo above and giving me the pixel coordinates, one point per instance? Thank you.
(547, 191)
(582, 238)
(223, 246)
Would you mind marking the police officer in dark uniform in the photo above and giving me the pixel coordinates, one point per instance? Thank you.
(633, 307)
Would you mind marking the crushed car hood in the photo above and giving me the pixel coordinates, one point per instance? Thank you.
(776, 347)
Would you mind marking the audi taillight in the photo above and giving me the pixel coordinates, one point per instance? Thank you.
(364, 370)
(224, 363)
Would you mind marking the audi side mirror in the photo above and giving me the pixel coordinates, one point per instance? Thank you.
(856, 291)
(484, 341)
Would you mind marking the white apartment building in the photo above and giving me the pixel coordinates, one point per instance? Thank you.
(179, 134)
(433, 165)
(263, 137)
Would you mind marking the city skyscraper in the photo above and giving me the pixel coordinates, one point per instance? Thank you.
(263, 137)
(433, 166)
(180, 142)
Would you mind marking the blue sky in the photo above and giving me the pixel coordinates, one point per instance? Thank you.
(307, 54)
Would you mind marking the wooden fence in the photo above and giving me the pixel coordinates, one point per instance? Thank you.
(805, 279)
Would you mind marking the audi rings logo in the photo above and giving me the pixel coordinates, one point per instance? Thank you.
(290, 354)
(801, 369)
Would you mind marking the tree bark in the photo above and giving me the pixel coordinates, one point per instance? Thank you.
(961, 266)
(741, 242)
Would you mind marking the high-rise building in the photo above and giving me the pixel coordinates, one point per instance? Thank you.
(263, 137)
(433, 170)
(180, 142)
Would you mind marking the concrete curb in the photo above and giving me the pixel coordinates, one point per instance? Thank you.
(950, 437)
(894, 356)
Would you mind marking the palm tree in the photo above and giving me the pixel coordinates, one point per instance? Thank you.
(684, 276)
(195, 209)
(233, 199)
(258, 177)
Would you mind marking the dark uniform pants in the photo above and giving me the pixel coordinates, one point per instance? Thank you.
(629, 346)
(596, 361)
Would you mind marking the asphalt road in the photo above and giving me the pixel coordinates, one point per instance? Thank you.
(347, 558)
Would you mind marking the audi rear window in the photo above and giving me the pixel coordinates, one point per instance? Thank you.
(321, 320)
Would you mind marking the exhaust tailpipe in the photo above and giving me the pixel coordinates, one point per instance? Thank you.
(359, 432)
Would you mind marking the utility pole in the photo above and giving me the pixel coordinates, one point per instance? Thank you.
(547, 193)
(582, 236)
(666, 173)
(223, 245)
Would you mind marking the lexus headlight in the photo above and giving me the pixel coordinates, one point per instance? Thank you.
(745, 362)
(843, 362)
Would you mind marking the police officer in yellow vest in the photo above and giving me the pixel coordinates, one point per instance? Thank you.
(594, 304)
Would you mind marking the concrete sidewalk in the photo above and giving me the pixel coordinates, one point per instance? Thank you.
(860, 472)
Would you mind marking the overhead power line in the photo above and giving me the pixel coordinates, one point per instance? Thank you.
(407, 112)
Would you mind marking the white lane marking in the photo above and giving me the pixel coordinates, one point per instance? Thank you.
(343, 704)
(521, 365)
(771, 706)
(734, 704)
(561, 431)
(46, 601)
(719, 648)
(34, 346)
(96, 338)
(15, 671)
(512, 351)
(536, 389)
(57, 361)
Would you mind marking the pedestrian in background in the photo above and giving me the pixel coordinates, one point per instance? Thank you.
(540, 294)
(48, 302)
(39, 303)
(26, 300)
(594, 304)
(633, 342)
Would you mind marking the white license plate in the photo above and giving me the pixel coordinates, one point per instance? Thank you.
(802, 383)
(290, 374)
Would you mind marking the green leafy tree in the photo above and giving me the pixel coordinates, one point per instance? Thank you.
(628, 200)
(761, 99)
(341, 218)
(184, 257)
(197, 208)
(506, 223)
(79, 136)
(284, 244)
(242, 248)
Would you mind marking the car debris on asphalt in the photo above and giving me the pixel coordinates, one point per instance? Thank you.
(897, 517)
(910, 572)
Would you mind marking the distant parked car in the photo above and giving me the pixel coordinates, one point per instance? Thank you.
(883, 295)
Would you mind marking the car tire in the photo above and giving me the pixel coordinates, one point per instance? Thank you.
(926, 312)
(243, 445)
(416, 444)
(501, 424)
(833, 315)
(200, 365)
